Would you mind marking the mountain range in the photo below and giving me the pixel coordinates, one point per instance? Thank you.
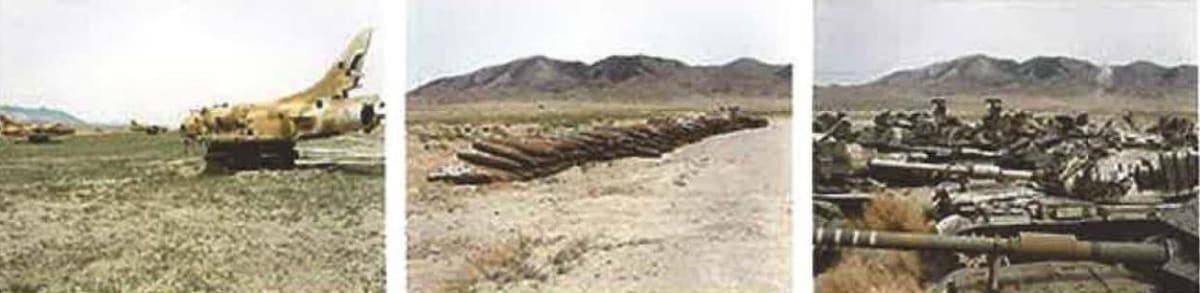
(1060, 76)
(40, 115)
(638, 77)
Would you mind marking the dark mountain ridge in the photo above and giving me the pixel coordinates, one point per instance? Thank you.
(1060, 75)
(646, 77)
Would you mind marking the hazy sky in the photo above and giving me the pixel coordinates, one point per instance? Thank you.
(858, 40)
(111, 61)
(457, 36)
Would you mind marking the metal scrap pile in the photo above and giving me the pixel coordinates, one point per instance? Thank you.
(524, 158)
(1009, 138)
(1022, 178)
(1005, 130)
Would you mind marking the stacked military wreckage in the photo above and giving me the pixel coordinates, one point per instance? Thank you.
(524, 158)
(1016, 175)
(1016, 140)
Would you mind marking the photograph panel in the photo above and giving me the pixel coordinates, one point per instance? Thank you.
(1015, 146)
(598, 146)
(182, 146)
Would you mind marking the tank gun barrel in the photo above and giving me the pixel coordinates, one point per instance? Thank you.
(970, 170)
(1046, 246)
(940, 151)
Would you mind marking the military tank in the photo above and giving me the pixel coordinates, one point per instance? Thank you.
(848, 174)
(264, 135)
(33, 132)
(841, 154)
(1082, 195)
(1016, 175)
(1074, 199)
(135, 126)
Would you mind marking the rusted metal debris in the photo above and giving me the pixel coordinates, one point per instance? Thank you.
(524, 158)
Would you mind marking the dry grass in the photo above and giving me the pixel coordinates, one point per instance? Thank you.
(860, 272)
(865, 270)
(892, 212)
(501, 263)
(132, 213)
(494, 266)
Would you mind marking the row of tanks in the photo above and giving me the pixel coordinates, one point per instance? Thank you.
(521, 158)
(32, 132)
(1013, 174)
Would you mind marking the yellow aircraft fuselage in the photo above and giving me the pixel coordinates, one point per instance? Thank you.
(324, 109)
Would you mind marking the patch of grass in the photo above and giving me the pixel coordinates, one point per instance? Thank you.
(508, 262)
(867, 270)
(892, 212)
(499, 263)
(131, 212)
(519, 259)
(566, 258)
(863, 272)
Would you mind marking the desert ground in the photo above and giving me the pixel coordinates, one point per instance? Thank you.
(709, 217)
(129, 212)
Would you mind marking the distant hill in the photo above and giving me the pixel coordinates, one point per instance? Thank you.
(636, 77)
(40, 115)
(982, 74)
(1039, 83)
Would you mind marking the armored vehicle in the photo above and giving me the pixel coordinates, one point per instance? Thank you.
(33, 132)
(136, 126)
(1107, 197)
(1074, 205)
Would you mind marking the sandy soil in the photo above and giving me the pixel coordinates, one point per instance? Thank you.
(710, 217)
(127, 212)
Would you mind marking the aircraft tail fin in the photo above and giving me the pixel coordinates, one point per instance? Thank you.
(354, 54)
(345, 74)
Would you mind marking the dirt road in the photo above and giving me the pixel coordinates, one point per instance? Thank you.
(709, 217)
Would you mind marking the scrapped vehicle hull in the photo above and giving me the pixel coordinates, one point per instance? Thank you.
(526, 158)
(264, 135)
